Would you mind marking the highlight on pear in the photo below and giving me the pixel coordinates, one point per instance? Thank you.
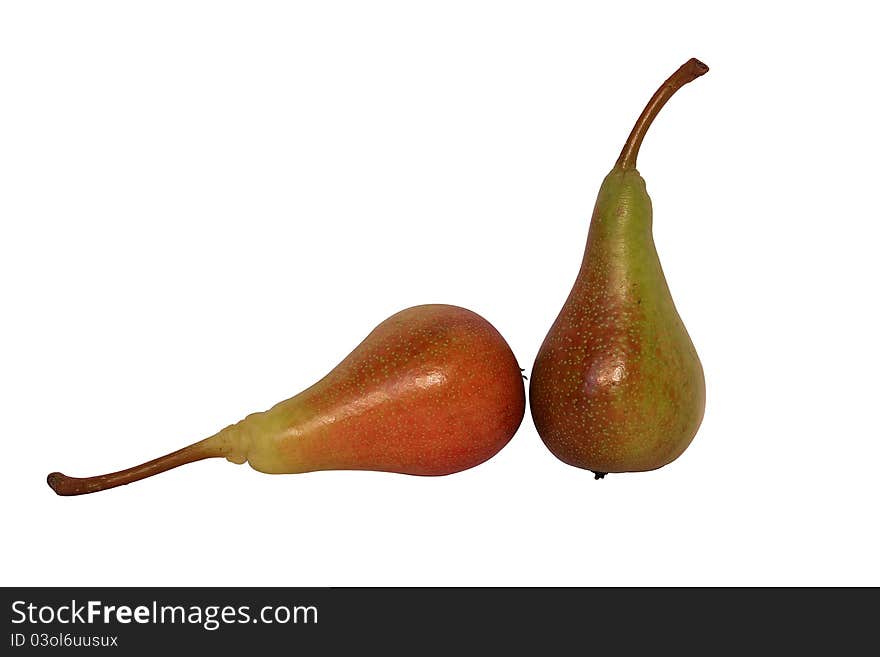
(617, 385)
(432, 390)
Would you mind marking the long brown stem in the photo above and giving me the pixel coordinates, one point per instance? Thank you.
(689, 71)
(204, 449)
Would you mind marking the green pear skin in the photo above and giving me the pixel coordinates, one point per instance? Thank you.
(617, 385)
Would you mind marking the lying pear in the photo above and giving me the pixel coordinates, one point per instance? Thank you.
(617, 385)
(433, 390)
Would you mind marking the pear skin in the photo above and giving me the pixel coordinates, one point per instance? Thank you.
(432, 390)
(617, 385)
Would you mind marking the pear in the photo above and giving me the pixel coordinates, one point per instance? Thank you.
(432, 390)
(617, 385)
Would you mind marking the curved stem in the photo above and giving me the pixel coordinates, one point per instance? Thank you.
(204, 449)
(689, 71)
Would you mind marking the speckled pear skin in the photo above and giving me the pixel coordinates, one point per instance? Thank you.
(617, 385)
(432, 390)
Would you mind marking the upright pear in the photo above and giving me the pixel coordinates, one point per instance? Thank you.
(617, 385)
(432, 390)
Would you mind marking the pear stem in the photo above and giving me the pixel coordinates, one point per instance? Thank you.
(688, 72)
(64, 485)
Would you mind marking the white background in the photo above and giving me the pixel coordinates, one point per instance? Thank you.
(205, 206)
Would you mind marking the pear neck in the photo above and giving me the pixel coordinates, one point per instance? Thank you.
(687, 72)
(623, 206)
